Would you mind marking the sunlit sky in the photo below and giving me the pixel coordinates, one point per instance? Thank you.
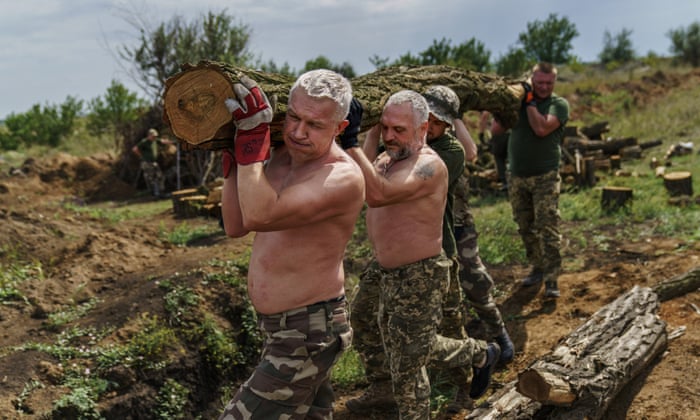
(52, 49)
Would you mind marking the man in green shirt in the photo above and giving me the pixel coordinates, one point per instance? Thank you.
(534, 153)
(147, 150)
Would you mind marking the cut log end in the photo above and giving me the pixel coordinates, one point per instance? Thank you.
(545, 388)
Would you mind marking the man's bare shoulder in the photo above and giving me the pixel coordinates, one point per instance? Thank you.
(429, 164)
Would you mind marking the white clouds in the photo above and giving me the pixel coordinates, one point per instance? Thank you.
(55, 48)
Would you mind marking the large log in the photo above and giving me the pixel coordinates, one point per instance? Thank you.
(193, 100)
(587, 369)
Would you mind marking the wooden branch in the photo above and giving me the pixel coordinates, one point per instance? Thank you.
(195, 111)
(588, 368)
(679, 285)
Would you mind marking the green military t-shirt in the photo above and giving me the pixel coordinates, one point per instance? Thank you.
(148, 149)
(452, 153)
(529, 155)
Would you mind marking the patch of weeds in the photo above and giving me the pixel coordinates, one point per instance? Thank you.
(69, 314)
(220, 349)
(15, 274)
(149, 346)
(348, 370)
(233, 272)
(177, 300)
(81, 401)
(98, 213)
(182, 234)
(601, 242)
(171, 401)
(29, 387)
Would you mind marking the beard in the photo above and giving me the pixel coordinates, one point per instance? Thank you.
(399, 154)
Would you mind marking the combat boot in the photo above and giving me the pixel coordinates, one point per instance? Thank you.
(550, 289)
(506, 345)
(535, 277)
(379, 396)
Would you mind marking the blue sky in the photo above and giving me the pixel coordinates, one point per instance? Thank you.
(50, 49)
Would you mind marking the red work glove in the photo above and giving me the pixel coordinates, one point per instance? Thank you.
(227, 161)
(252, 114)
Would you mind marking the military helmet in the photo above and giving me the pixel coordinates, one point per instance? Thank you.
(443, 103)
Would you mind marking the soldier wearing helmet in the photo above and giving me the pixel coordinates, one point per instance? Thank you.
(459, 231)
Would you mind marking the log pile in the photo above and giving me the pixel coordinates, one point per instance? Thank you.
(587, 369)
(195, 111)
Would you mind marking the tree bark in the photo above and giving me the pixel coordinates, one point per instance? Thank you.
(587, 370)
(195, 111)
(679, 285)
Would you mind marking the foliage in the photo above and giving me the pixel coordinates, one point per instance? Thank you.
(549, 40)
(13, 275)
(617, 49)
(115, 113)
(685, 44)
(70, 313)
(172, 399)
(471, 55)
(513, 63)
(47, 125)
(163, 49)
(322, 62)
(271, 67)
(184, 233)
(348, 370)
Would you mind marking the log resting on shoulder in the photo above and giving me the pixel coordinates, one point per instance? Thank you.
(588, 368)
(193, 100)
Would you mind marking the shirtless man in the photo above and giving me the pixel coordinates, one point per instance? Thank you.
(401, 290)
(302, 204)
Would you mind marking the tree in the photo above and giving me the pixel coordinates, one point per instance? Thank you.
(42, 126)
(618, 48)
(115, 113)
(549, 40)
(513, 63)
(685, 44)
(322, 62)
(469, 55)
(163, 49)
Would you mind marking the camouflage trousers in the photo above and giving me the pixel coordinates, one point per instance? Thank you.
(292, 380)
(475, 280)
(535, 203)
(153, 176)
(396, 314)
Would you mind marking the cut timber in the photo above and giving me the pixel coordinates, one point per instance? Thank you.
(581, 377)
(679, 183)
(614, 198)
(679, 285)
(193, 100)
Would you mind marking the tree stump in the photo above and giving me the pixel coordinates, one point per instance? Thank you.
(193, 100)
(615, 162)
(679, 183)
(615, 198)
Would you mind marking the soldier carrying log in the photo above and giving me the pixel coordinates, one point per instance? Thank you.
(302, 199)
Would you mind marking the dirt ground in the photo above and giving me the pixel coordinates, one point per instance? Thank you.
(82, 257)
